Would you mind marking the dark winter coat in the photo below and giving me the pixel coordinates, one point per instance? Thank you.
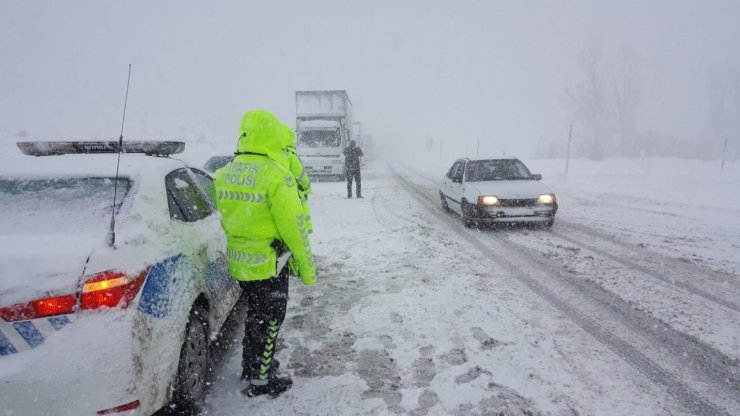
(352, 157)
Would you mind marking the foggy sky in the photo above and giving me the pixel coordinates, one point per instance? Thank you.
(460, 71)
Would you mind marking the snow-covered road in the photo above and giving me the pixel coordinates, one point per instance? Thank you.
(414, 314)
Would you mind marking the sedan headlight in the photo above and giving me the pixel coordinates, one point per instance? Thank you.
(487, 200)
(546, 199)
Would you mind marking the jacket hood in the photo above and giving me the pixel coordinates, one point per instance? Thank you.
(288, 137)
(261, 132)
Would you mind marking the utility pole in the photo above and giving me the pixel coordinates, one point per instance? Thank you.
(724, 154)
(567, 153)
(477, 148)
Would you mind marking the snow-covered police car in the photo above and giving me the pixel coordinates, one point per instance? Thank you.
(107, 308)
(495, 191)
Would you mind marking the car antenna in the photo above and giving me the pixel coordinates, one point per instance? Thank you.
(112, 230)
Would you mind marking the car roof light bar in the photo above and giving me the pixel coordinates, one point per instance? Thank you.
(52, 148)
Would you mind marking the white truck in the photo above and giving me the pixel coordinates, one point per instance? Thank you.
(323, 130)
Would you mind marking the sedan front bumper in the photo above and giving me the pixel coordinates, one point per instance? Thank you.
(496, 213)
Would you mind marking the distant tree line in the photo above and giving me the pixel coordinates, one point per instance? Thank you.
(606, 101)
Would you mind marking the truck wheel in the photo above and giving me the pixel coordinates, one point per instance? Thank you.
(190, 383)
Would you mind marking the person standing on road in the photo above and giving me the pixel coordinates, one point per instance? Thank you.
(299, 173)
(352, 155)
(262, 217)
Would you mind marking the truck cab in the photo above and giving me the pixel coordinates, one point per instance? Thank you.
(323, 131)
(321, 143)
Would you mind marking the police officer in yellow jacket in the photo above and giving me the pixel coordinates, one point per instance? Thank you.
(296, 168)
(262, 216)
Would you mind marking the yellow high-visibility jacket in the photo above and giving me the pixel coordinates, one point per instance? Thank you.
(257, 197)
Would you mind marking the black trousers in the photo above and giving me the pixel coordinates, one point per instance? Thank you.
(354, 173)
(267, 301)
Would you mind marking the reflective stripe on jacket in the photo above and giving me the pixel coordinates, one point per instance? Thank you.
(304, 183)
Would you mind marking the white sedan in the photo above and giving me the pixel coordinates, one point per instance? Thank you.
(102, 317)
(499, 190)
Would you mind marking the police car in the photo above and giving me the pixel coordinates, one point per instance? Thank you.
(108, 308)
(500, 190)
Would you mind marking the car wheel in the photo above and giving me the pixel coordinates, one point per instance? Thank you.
(550, 222)
(467, 214)
(445, 207)
(190, 384)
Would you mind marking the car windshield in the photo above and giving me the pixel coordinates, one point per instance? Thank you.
(319, 138)
(74, 205)
(496, 170)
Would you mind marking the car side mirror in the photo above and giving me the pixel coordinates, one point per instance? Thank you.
(536, 176)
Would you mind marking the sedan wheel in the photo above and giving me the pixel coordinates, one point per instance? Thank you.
(467, 214)
(445, 207)
(190, 385)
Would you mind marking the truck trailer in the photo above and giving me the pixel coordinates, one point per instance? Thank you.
(323, 131)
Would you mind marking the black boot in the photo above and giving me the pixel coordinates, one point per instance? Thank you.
(273, 386)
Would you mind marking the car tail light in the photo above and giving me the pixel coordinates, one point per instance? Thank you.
(39, 308)
(104, 290)
(111, 289)
(122, 408)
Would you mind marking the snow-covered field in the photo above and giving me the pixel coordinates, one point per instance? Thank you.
(628, 306)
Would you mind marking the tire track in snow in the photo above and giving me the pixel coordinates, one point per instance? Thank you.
(403, 218)
(708, 362)
(652, 273)
(717, 276)
(687, 396)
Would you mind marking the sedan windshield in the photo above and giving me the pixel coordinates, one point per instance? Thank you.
(39, 206)
(496, 170)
